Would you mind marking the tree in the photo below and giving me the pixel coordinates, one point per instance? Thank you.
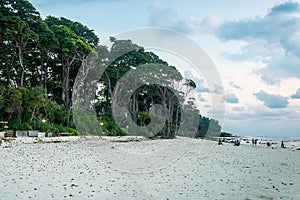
(41, 56)
(16, 35)
(72, 50)
(79, 29)
(22, 35)
(8, 53)
(40, 59)
(125, 56)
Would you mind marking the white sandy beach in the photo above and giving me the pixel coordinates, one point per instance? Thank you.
(103, 169)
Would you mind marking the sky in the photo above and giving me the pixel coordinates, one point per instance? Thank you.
(255, 46)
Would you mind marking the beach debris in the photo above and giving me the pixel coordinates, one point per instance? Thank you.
(64, 134)
(126, 139)
(6, 142)
(9, 133)
(21, 133)
(33, 133)
(2, 134)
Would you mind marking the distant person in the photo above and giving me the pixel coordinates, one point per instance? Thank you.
(253, 141)
(282, 144)
(237, 142)
(220, 142)
(268, 144)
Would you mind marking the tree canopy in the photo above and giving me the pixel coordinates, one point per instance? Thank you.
(39, 62)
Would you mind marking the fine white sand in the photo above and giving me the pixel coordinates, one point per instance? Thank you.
(147, 169)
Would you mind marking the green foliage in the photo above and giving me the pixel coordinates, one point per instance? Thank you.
(46, 127)
(109, 126)
(71, 131)
(208, 127)
(57, 129)
(224, 134)
(29, 109)
(17, 124)
(39, 61)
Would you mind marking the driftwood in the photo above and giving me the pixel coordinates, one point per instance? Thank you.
(3, 139)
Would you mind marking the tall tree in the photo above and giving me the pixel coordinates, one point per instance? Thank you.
(22, 36)
(16, 19)
(72, 50)
(7, 50)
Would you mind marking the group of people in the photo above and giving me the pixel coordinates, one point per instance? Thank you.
(236, 142)
(254, 141)
(282, 144)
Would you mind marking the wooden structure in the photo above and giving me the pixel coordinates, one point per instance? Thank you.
(7, 133)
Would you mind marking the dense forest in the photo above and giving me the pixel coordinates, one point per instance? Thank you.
(40, 59)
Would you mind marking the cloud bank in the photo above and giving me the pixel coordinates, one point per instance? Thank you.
(231, 98)
(275, 35)
(296, 95)
(271, 100)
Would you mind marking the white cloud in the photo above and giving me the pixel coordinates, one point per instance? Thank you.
(296, 95)
(273, 38)
(271, 100)
(231, 98)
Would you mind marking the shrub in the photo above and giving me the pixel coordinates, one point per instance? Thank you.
(72, 131)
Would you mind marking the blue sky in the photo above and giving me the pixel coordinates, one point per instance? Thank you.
(254, 45)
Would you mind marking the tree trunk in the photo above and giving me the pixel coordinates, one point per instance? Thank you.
(66, 86)
(65, 90)
(67, 62)
(133, 108)
(176, 120)
(109, 92)
(8, 71)
(22, 67)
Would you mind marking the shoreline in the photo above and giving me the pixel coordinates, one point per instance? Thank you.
(245, 140)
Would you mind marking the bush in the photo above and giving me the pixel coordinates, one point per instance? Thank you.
(17, 124)
(72, 131)
(58, 129)
(110, 127)
(25, 109)
(46, 127)
(62, 129)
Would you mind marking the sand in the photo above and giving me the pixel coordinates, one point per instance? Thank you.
(146, 169)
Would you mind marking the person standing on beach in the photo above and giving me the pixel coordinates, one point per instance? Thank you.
(220, 142)
(253, 141)
(282, 144)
